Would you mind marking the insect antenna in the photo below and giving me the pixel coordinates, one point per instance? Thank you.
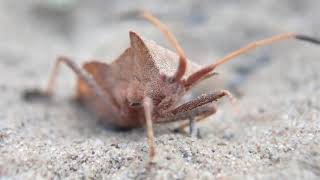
(307, 38)
(172, 40)
(193, 78)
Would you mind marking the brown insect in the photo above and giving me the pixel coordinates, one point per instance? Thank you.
(145, 84)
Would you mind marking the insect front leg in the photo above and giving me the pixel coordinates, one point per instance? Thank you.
(202, 100)
(194, 115)
(147, 105)
(206, 111)
(199, 108)
(192, 126)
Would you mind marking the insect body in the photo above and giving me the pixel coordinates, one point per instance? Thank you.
(143, 70)
(146, 82)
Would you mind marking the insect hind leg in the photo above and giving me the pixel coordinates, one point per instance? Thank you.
(80, 73)
(53, 76)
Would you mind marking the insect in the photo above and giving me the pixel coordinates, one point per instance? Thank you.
(145, 84)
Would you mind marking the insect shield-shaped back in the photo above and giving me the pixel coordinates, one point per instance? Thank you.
(157, 59)
(143, 67)
(153, 65)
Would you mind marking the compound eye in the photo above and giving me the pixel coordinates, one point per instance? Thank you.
(167, 78)
(135, 104)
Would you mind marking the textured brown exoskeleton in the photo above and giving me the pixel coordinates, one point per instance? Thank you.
(145, 84)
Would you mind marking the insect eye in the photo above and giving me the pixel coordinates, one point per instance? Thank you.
(167, 78)
(171, 80)
(134, 104)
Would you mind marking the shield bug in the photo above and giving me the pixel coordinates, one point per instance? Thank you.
(145, 84)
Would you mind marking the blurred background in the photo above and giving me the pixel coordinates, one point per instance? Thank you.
(275, 135)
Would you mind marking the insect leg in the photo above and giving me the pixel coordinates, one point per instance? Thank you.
(199, 108)
(191, 126)
(197, 76)
(193, 108)
(209, 110)
(54, 73)
(92, 84)
(147, 104)
(202, 100)
(194, 115)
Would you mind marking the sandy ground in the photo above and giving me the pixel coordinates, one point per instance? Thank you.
(274, 135)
